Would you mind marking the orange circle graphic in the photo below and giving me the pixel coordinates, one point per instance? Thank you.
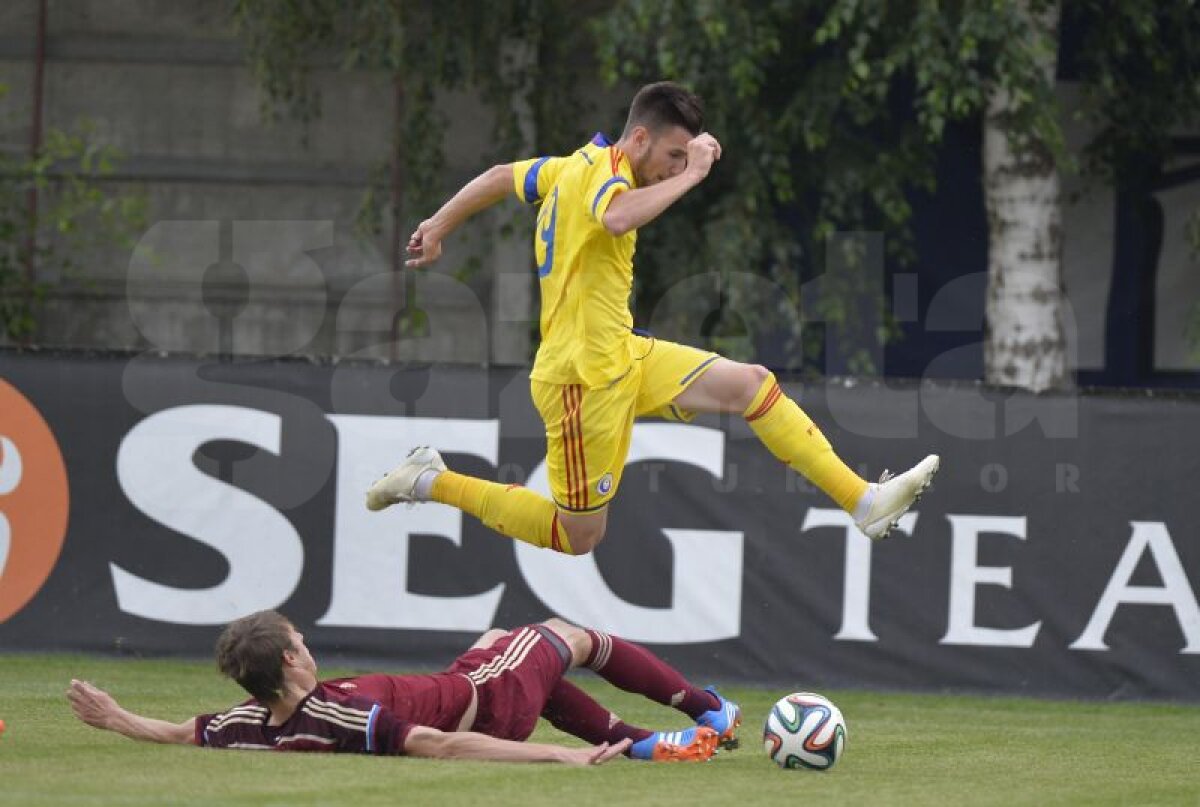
(34, 500)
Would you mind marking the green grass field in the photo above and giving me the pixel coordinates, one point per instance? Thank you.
(903, 749)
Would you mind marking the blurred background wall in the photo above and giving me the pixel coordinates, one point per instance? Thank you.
(166, 82)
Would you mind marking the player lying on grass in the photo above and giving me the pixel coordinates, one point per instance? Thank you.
(594, 374)
(487, 701)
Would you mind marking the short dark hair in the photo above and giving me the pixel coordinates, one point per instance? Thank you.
(250, 651)
(663, 104)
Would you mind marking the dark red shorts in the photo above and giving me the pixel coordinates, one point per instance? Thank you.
(436, 700)
(514, 677)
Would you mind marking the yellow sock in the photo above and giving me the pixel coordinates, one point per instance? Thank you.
(793, 438)
(511, 510)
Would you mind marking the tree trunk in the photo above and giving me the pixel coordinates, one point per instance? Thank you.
(1024, 343)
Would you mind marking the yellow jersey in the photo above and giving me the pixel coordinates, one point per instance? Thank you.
(585, 273)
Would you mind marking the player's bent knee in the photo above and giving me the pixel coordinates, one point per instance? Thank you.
(584, 532)
(757, 375)
(752, 378)
(560, 626)
(585, 542)
(489, 638)
(576, 638)
(754, 375)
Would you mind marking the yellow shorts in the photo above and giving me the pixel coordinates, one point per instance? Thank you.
(588, 430)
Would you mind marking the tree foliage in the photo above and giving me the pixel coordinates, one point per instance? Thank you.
(428, 48)
(76, 214)
(1140, 63)
(831, 114)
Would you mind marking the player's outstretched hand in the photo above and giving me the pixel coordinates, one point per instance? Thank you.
(91, 704)
(702, 151)
(596, 754)
(424, 245)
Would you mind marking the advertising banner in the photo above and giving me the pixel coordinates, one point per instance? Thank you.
(145, 502)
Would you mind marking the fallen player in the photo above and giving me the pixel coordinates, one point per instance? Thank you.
(482, 707)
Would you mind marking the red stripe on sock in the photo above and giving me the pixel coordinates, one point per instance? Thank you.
(767, 403)
(776, 394)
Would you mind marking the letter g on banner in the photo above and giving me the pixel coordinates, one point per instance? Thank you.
(34, 500)
(706, 597)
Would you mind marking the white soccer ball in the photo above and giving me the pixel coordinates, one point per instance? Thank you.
(805, 730)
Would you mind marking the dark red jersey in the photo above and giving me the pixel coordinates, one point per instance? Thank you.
(511, 680)
(328, 719)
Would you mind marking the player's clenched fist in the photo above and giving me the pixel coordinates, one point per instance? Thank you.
(702, 151)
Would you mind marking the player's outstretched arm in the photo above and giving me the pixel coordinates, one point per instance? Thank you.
(485, 190)
(427, 742)
(97, 708)
(632, 209)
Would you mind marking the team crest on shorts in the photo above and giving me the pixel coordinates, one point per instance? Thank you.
(604, 485)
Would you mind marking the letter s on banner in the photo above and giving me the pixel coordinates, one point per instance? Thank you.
(707, 608)
(156, 472)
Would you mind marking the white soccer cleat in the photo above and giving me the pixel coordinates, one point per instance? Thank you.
(894, 495)
(400, 485)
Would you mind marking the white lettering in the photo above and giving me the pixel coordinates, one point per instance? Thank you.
(5, 541)
(706, 598)
(10, 477)
(1175, 591)
(156, 472)
(11, 466)
(856, 583)
(966, 574)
